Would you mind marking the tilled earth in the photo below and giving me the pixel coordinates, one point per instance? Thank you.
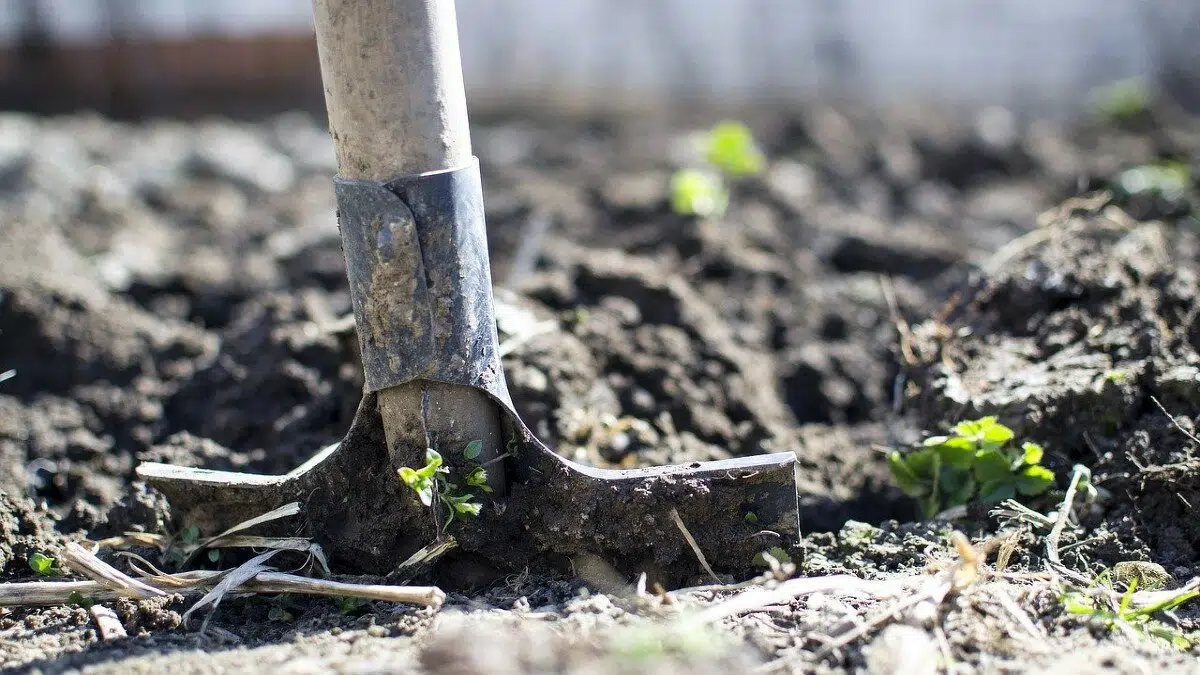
(175, 292)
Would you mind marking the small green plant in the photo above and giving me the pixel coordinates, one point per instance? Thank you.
(698, 192)
(1123, 101)
(978, 460)
(42, 564)
(730, 147)
(775, 552)
(1132, 620)
(349, 604)
(730, 153)
(183, 544)
(647, 643)
(80, 600)
(430, 480)
(478, 479)
(1117, 376)
(1169, 180)
(424, 481)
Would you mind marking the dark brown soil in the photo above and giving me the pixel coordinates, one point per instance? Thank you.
(176, 293)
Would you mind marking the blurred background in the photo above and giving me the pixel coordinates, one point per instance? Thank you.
(130, 58)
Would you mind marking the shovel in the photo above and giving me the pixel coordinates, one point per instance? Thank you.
(410, 212)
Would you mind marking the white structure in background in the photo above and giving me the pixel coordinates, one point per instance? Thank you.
(1034, 55)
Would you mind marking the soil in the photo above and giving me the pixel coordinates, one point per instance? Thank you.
(175, 292)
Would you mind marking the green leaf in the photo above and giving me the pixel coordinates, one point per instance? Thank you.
(214, 555)
(996, 492)
(906, 479)
(751, 517)
(409, 476)
(421, 484)
(478, 478)
(1034, 480)
(433, 464)
(473, 450)
(700, 193)
(468, 508)
(973, 429)
(1075, 604)
(776, 552)
(922, 462)
(80, 600)
(349, 604)
(996, 435)
(991, 466)
(957, 452)
(41, 563)
(731, 148)
(1032, 453)
(190, 535)
(934, 441)
(957, 486)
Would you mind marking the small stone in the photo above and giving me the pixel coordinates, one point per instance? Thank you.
(902, 650)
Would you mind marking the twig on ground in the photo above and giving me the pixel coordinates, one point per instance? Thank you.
(794, 588)
(51, 593)
(228, 582)
(107, 624)
(1000, 594)
(692, 542)
(80, 560)
(1174, 421)
(1053, 561)
(902, 327)
(1014, 248)
(422, 559)
(933, 592)
(299, 544)
(285, 511)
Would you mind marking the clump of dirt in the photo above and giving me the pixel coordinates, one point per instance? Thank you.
(24, 530)
(1086, 340)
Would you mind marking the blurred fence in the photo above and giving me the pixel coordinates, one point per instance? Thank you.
(133, 57)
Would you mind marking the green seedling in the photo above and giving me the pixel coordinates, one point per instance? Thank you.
(478, 478)
(42, 564)
(650, 642)
(730, 147)
(1123, 101)
(699, 193)
(1138, 621)
(350, 605)
(429, 481)
(1117, 376)
(183, 545)
(424, 480)
(80, 600)
(730, 153)
(1168, 180)
(775, 552)
(978, 460)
